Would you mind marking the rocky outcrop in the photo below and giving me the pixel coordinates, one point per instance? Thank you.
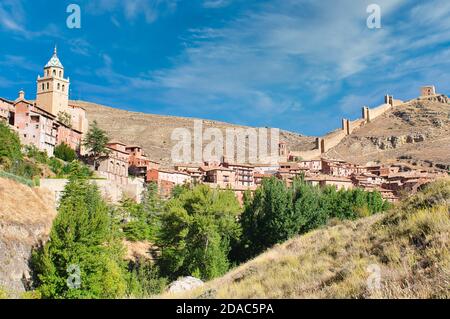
(26, 216)
(391, 142)
(441, 98)
(185, 284)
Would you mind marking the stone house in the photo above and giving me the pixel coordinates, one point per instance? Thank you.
(138, 163)
(325, 180)
(167, 179)
(114, 166)
(35, 125)
(341, 168)
(223, 177)
(7, 111)
(243, 173)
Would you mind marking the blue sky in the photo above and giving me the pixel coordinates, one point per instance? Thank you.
(299, 65)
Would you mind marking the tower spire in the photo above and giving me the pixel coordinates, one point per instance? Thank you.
(55, 51)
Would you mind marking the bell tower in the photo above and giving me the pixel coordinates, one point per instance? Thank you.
(53, 88)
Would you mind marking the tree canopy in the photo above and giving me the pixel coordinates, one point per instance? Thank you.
(83, 257)
(196, 229)
(95, 142)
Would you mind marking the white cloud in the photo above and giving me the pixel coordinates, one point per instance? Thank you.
(214, 4)
(260, 59)
(13, 19)
(12, 15)
(150, 10)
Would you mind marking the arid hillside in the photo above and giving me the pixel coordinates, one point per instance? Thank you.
(153, 132)
(417, 132)
(26, 216)
(404, 253)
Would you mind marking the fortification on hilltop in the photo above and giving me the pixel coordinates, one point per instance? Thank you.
(330, 140)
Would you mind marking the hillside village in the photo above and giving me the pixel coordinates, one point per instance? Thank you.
(138, 194)
(52, 119)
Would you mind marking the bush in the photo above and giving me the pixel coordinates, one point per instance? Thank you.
(56, 165)
(3, 294)
(65, 153)
(148, 279)
(33, 152)
(9, 144)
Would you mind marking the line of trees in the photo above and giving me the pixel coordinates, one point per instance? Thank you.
(277, 212)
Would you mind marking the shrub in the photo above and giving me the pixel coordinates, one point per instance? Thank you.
(56, 165)
(148, 279)
(33, 152)
(65, 153)
(9, 144)
(3, 294)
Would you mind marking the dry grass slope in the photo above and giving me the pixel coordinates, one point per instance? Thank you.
(410, 244)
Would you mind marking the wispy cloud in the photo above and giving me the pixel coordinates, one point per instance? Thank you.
(18, 62)
(214, 4)
(12, 15)
(80, 46)
(13, 19)
(305, 46)
(150, 10)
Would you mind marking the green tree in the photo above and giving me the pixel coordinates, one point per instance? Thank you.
(95, 142)
(139, 224)
(65, 152)
(83, 237)
(268, 217)
(10, 148)
(196, 230)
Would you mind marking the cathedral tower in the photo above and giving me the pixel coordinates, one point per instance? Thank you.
(53, 88)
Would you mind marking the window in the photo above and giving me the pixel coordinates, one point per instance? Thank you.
(54, 72)
(60, 73)
(59, 86)
(43, 86)
(48, 85)
(63, 88)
